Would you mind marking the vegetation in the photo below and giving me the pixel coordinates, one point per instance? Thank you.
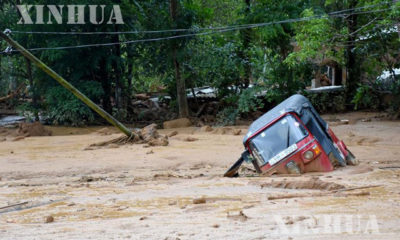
(276, 59)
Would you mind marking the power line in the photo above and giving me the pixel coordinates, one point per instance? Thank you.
(332, 14)
(226, 29)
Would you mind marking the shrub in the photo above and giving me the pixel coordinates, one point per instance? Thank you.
(248, 101)
(63, 108)
(366, 97)
(227, 116)
(325, 102)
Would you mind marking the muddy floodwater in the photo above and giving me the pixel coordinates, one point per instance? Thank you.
(68, 191)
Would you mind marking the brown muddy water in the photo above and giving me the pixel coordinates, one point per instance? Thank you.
(178, 192)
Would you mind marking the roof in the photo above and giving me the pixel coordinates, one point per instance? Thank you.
(295, 103)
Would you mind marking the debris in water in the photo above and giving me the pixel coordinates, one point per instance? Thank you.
(177, 123)
(206, 128)
(239, 217)
(190, 139)
(18, 138)
(308, 184)
(49, 219)
(148, 134)
(150, 152)
(199, 200)
(32, 129)
(171, 134)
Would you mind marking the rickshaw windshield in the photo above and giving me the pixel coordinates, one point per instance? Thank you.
(278, 140)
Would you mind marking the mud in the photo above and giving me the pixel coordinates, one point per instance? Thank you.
(132, 192)
(32, 129)
(177, 123)
(313, 183)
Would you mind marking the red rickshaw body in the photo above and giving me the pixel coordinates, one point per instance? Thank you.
(318, 163)
(292, 138)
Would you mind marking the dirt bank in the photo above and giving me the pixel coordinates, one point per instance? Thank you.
(177, 192)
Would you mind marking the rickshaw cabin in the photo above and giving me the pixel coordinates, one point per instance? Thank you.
(298, 109)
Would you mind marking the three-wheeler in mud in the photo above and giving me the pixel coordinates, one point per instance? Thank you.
(292, 138)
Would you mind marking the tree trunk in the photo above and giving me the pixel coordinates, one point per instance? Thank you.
(32, 89)
(119, 96)
(351, 64)
(246, 35)
(106, 85)
(180, 82)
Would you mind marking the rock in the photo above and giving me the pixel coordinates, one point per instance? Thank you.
(49, 219)
(3, 139)
(142, 218)
(190, 139)
(171, 134)
(149, 132)
(199, 201)
(215, 226)
(162, 141)
(206, 128)
(177, 123)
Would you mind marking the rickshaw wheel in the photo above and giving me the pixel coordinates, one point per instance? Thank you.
(351, 159)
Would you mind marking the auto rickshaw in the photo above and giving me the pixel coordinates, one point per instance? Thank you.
(292, 138)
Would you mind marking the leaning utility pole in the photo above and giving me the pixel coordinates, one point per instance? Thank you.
(67, 85)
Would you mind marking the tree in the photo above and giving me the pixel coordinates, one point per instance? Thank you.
(180, 82)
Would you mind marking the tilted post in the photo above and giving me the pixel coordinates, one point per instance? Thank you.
(67, 85)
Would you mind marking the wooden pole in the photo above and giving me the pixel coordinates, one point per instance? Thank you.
(67, 85)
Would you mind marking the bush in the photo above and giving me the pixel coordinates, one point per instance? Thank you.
(63, 108)
(227, 116)
(366, 97)
(325, 102)
(394, 107)
(248, 101)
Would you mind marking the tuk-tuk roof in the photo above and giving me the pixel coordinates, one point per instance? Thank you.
(295, 103)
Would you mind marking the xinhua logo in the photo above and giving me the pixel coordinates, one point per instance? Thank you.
(76, 14)
(326, 224)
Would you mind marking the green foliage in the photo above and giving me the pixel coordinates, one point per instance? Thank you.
(227, 116)
(278, 58)
(63, 108)
(313, 38)
(325, 102)
(248, 101)
(394, 107)
(366, 97)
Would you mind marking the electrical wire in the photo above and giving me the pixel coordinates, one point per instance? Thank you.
(225, 29)
(332, 14)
